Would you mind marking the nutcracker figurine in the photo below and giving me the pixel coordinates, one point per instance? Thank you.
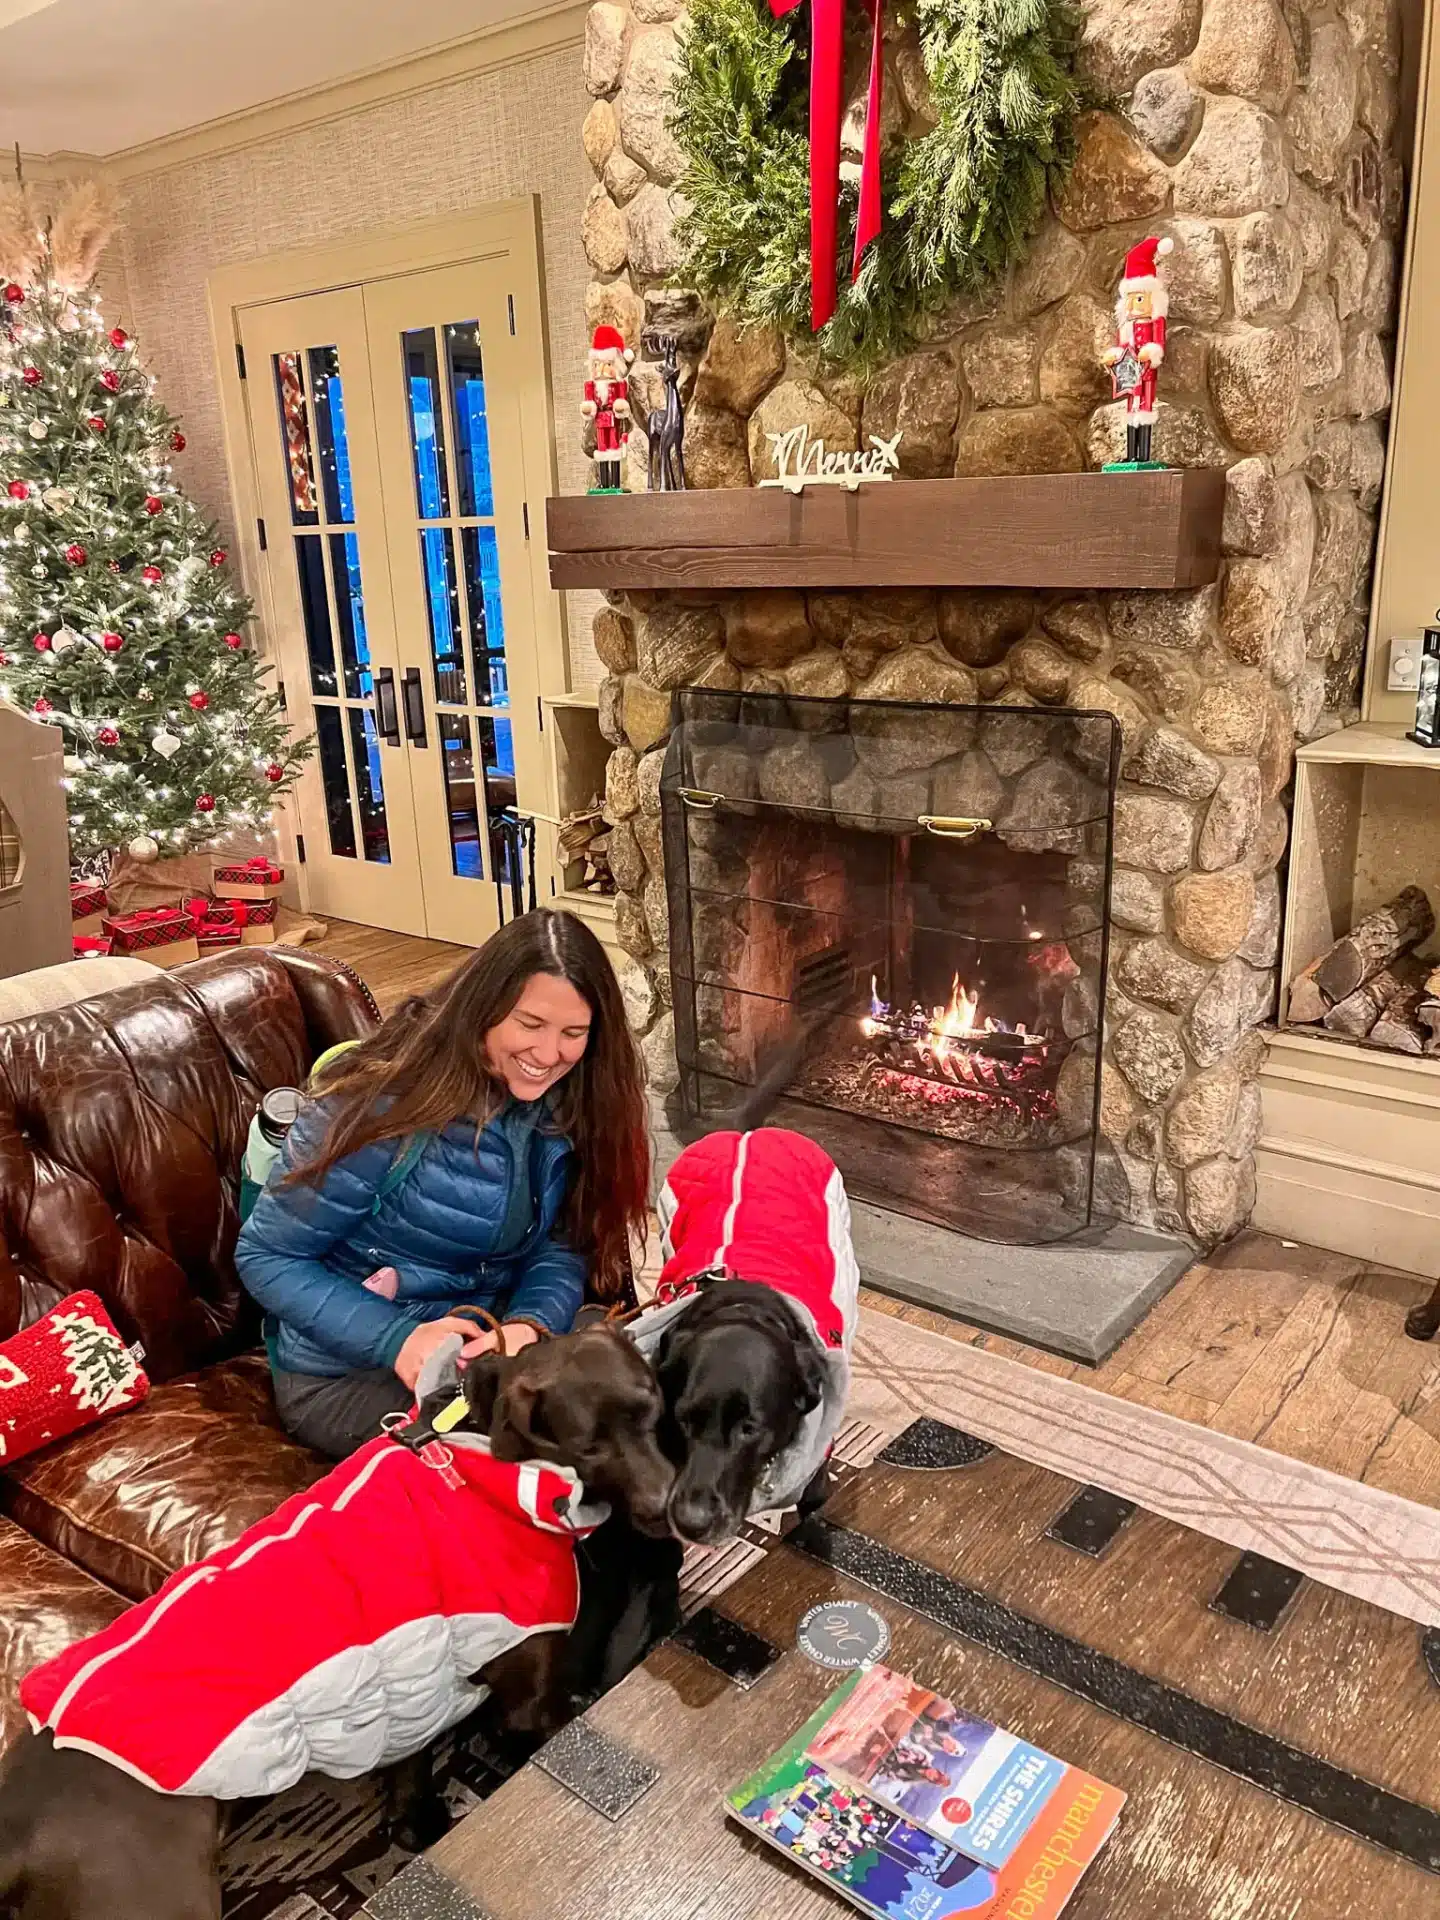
(1134, 361)
(607, 403)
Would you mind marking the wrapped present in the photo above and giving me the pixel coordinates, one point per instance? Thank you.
(232, 923)
(164, 935)
(89, 903)
(90, 946)
(66, 1371)
(257, 879)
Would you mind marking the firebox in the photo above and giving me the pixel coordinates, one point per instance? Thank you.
(888, 930)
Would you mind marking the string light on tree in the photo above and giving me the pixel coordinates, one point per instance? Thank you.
(113, 588)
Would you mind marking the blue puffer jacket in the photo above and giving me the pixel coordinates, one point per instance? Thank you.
(305, 1251)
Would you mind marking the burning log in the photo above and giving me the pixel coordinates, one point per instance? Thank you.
(1357, 1013)
(1374, 943)
(1398, 1027)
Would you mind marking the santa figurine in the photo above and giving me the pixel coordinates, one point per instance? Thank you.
(1134, 361)
(607, 403)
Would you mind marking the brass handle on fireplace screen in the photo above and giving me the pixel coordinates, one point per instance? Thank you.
(955, 826)
(698, 797)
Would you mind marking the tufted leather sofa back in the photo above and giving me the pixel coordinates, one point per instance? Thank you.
(122, 1125)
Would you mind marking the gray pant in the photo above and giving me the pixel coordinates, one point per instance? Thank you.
(335, 1415)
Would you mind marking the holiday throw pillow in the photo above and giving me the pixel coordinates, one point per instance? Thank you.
(65, 1372)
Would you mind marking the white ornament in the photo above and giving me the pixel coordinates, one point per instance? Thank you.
(72, 763)
(22, 535)
(143, 848)
(58, 499)
(37, 572)
(803, 462)
(65, 638)
(38, 430)
(167, 745)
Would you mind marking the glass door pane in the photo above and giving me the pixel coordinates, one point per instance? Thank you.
(327, 561)
(442, 364)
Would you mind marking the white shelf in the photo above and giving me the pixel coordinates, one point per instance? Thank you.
(580, 698)
(1370, 745)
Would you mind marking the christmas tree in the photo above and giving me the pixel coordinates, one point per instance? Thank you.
(119, 622)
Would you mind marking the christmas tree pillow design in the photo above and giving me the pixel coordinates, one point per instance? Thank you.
(65, 1372)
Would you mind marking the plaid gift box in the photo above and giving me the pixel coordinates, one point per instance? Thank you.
(90, 946)
(232, 923)
(89, 903)
(257, 879)
(165, 935)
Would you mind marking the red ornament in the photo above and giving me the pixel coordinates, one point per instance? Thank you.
(15, 295)
(199, 701)
(154, 504)
(4, 659)
(42, 705)
(76, 554)
(119, 337)
(95, 423)
(111, 642)
(234, 642)
(110, 380)
(274, 772)
(41, 643)
(177, 443)
(32, 376)
(18, 490)
(152, 574)
(114, 565)
(205, 803)
(107, 737)
(219, 557)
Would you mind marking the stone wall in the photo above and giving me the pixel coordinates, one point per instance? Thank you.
(1262, 139)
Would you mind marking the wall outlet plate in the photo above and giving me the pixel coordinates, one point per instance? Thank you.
(1404, 676)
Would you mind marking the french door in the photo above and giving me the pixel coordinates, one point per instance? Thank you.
(386, 434)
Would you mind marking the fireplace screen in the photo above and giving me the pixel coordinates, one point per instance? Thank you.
(888, 930)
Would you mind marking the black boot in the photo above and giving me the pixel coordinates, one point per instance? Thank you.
(1142, 442)
(1132, 443)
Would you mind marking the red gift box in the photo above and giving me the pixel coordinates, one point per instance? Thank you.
(89, 903)
(257, 879)
(65, 1372)
(233, 923)
(165, 935)
(89, 946)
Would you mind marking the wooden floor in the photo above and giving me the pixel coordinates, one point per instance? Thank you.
(1291, 1347)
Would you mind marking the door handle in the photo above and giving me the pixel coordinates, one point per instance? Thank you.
(413, 695)
(387, 716)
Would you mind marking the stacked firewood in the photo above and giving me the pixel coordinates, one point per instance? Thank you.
(1372, 985)
(584, 840)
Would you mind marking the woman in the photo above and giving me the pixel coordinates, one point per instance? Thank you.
(485, 1147)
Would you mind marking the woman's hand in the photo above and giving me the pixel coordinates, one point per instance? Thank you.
(422, 1343)
(515, 1336)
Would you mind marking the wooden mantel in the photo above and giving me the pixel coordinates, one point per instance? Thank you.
(1070, 530)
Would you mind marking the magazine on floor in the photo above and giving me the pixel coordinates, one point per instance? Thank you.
(915, 1809)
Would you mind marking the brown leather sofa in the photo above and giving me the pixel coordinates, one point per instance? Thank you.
(122, 1124)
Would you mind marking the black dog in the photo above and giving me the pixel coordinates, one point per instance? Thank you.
(739, 1375)
(80, 1839)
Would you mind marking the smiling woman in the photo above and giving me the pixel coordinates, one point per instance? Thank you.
(485, 1148)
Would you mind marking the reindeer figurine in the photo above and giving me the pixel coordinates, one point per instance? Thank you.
(665, 429)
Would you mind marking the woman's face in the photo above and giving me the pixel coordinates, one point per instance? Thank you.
(541, 1038)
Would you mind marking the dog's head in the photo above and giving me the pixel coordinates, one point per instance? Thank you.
(587, 1401)
(739, 1374)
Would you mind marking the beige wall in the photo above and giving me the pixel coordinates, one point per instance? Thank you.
(488, 136)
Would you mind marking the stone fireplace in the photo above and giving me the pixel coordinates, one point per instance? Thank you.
(1264, 141)
(891, 920)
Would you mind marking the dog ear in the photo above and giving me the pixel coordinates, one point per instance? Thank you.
(480, 1383)
(520, 1430)
(811, 1368)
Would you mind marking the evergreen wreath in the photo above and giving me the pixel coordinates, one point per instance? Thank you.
(961, 201)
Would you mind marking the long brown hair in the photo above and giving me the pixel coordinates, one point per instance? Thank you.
(424, 1068)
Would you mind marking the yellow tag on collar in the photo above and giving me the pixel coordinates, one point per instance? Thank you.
(452, 1415)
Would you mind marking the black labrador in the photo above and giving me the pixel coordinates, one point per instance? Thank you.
(80, 1839)
(739, 1374)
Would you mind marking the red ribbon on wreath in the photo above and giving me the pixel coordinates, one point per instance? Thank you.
(827, 109)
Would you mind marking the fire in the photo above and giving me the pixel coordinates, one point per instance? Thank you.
(953, 1044)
